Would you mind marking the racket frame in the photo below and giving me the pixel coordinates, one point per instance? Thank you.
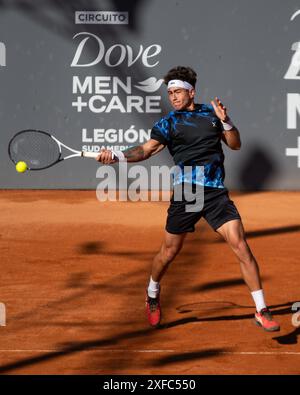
(76, 153)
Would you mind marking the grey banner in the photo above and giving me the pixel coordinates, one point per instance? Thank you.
(95, 84)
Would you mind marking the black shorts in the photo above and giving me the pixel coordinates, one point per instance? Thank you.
(217, 210)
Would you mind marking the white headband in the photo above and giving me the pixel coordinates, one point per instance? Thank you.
(180, 84)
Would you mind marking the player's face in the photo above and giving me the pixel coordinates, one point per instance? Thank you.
(181, 99)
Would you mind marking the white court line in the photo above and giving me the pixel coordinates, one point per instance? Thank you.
(262, 353)
(90, 349)
(159, 351)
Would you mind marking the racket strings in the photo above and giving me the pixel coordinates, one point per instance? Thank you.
(35, 148)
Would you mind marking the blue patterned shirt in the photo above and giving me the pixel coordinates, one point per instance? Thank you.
(194, 141)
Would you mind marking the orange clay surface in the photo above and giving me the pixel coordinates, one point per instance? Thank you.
(73, 277)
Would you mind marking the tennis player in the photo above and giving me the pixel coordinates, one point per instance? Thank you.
(194, 134)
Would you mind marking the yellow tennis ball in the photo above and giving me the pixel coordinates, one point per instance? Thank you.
(21, 167)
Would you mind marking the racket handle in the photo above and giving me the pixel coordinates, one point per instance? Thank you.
(87, 154)
(93, 155)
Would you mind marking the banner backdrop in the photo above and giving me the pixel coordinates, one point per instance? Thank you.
(91, 74)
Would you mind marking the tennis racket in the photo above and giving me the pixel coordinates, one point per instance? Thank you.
(40, 150)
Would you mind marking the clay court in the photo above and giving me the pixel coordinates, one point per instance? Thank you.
(73, 278)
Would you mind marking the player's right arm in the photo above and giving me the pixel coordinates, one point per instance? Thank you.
(133, 154)
(142, 152)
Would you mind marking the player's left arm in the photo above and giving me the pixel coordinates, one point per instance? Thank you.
(231, 137)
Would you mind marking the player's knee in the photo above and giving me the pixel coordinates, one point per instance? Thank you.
(238, 244)
(171, 252)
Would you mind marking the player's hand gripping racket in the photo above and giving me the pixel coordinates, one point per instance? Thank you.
(40, 150)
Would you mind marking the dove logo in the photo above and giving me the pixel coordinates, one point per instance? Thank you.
(2, 54)
(149, 85)
(116, 55)
(110, 93)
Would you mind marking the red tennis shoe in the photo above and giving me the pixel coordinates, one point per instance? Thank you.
(153, 310)
(265, 320)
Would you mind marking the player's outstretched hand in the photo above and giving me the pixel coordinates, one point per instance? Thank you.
(106, 157)
(220, 109)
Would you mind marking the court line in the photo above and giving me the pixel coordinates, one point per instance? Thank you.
(160, 351)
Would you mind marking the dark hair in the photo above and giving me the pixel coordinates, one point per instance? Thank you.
(181, 73)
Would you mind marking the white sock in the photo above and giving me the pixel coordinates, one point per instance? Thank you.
(153, 288)
(259, 300)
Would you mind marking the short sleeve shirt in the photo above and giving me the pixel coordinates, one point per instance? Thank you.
(194, 139)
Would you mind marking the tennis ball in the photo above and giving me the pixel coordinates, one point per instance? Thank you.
(21, 167)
